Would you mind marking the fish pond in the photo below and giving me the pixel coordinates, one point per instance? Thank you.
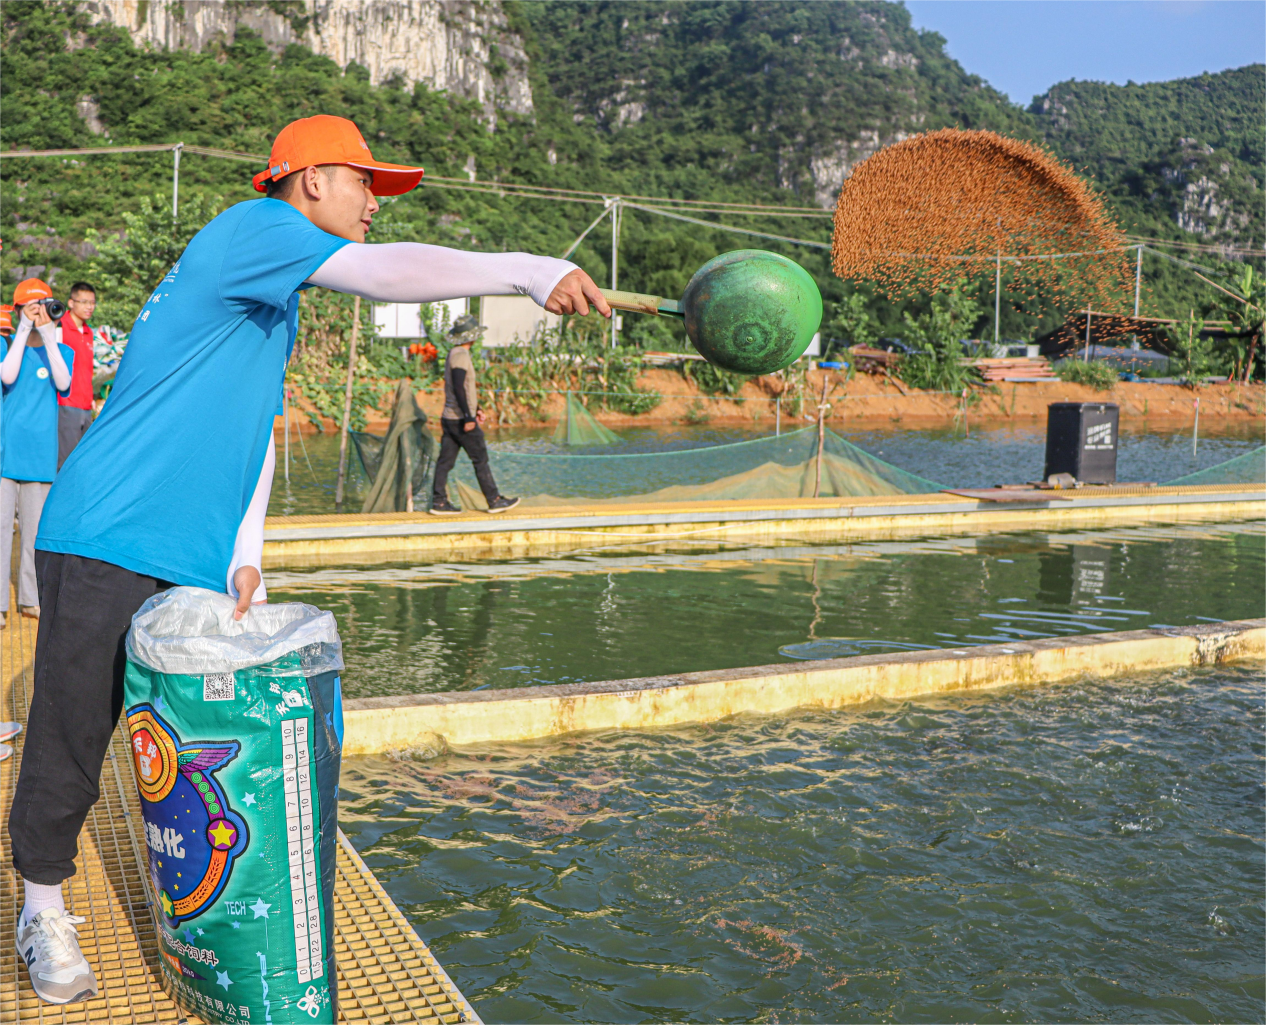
(1084, 851)
(616, 612)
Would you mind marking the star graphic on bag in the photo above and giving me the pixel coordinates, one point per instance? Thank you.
(260, 908)
(248, 799)
(223, 834)
(222, 979)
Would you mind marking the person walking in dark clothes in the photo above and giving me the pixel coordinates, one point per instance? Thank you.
(459, 424)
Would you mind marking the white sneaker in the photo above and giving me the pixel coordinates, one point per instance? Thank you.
(49, 946)
(8, 730)
(6, 751)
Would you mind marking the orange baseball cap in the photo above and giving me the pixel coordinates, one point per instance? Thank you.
(31, 290)
(325, 139)
(6, 319)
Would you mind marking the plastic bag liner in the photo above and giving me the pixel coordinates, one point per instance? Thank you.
(236, 731)
(192, 630)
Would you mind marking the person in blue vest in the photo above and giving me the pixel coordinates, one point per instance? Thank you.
(34, 371)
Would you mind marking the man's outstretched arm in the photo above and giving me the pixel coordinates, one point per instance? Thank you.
(410, 272)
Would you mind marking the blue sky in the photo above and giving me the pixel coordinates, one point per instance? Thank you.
(1023, 47)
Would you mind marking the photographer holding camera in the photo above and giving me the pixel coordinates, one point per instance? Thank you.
(34, 371)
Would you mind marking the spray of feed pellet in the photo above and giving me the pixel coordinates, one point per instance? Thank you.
(927, 212)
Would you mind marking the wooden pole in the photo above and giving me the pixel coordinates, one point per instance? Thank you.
(285, 421)
(1086, 356)
(997, 298)
(1138, 279)
(615, 258)
(175, 180)
(817, 469)
(347, 408)
(1195, 427)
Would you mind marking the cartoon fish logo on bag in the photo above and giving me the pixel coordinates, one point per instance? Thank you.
(192, 834)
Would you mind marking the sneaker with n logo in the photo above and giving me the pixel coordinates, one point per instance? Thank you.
(49, 947)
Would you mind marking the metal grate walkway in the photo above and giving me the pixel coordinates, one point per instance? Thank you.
(386, 973)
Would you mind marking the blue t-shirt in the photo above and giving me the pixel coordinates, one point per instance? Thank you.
(161, 482)
(28, 416)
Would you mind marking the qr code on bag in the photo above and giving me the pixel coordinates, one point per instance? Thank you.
(217, 687)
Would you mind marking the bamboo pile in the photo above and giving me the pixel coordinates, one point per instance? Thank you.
(1015, 368)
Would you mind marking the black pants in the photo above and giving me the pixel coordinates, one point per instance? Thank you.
(72, 424)
(452, 440)
(86, 607)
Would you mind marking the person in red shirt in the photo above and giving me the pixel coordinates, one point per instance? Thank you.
(74, 412)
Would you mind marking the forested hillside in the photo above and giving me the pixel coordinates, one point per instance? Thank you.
(746, 101)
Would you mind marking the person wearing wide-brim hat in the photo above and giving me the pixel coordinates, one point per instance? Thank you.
(461, 424)
(171, 484)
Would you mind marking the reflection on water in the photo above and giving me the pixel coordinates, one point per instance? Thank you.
(616, 612)
(1070, 853)
(988, 456)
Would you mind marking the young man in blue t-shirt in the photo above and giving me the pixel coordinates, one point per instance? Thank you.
(171, 484)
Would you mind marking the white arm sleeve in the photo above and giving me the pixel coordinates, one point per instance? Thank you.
(248, 549)
(410, 272)
(61, 373)
(13, 361)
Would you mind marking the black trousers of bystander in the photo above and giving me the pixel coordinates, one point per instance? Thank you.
(86, 608)
(452, 441)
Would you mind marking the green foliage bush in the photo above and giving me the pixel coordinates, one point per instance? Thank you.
(713, 380)
(938, 363)
(128, 267)
(1096, 373)
(1192, 356)
(522, 378)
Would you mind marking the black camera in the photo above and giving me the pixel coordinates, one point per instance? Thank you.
(56, 308)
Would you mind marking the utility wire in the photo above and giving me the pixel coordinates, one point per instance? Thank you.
(728, 227)
(581, 237)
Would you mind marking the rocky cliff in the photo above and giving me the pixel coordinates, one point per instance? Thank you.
(461, 46)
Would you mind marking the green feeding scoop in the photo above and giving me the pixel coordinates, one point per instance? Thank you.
(748, 311)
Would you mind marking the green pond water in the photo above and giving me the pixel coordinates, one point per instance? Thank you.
(618, 612)
(1083, 852)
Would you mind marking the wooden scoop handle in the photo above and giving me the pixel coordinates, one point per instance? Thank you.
(637, 302)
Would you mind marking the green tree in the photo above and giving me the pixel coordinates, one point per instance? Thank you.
(1192, 350)
(938, 364)
(1243, 309)
(128, 266)
(854, 322)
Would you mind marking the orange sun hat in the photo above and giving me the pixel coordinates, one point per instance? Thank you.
(6, 319)
(31, 290)
(325, 139)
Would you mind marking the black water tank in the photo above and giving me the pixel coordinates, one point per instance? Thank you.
(1081, 439)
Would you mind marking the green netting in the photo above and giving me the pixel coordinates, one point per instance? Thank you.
(578, 427)
(766, 468)
(397, 464)
(1250, 468)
